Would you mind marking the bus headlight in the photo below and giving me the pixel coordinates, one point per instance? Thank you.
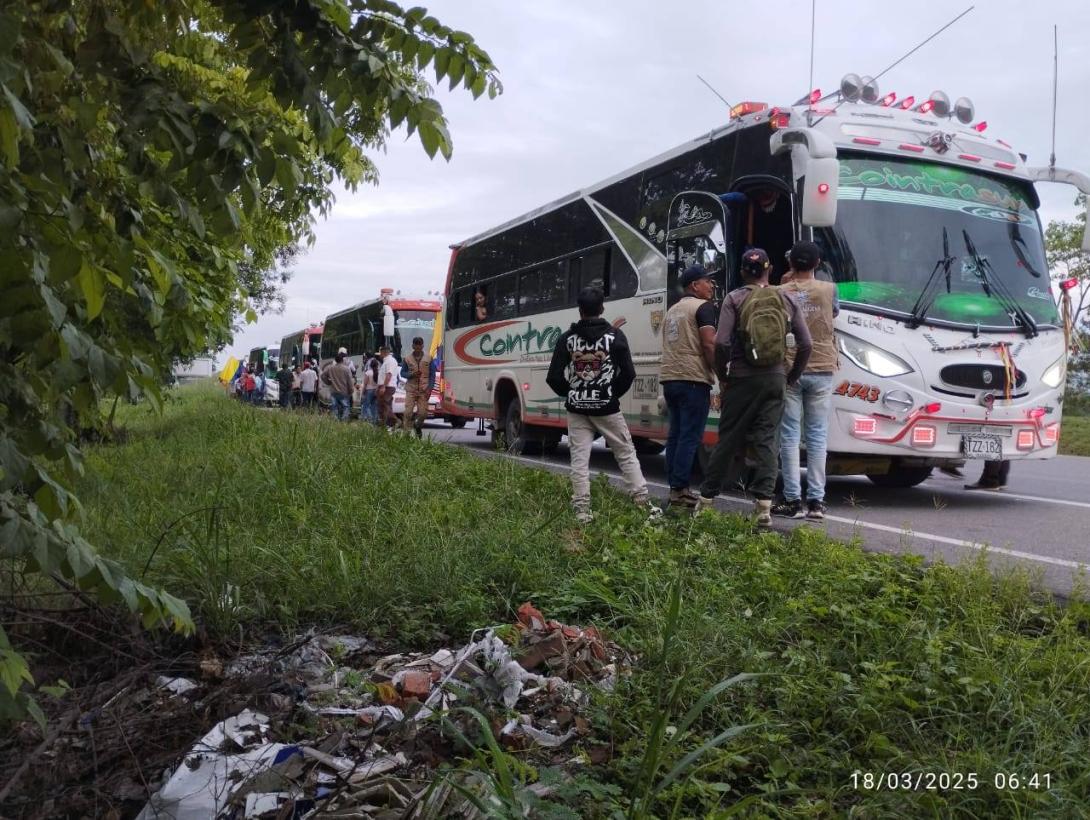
(870, 358)
(1054, 376)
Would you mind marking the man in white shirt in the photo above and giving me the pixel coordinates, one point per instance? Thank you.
(387, 383)
(308, 386)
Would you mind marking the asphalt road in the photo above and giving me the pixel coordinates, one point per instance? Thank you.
(1040, 523)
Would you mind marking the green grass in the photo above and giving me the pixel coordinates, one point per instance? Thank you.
(1075, 436)
(873, 663)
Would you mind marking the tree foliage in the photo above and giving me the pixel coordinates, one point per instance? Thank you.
(156, 160)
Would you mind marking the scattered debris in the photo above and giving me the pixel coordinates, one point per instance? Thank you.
(362, 736)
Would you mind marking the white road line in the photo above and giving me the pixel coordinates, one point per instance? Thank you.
(855, 522)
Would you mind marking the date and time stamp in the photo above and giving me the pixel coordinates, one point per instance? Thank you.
(950, 781)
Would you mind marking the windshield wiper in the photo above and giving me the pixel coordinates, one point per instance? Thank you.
(919, 309)
(990, 281)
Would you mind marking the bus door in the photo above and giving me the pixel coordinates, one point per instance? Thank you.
(696, 233)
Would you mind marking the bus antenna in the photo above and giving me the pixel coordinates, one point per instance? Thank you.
(1055, 85)
(810, 84)
(716, 93)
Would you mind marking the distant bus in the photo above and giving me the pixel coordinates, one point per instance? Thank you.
(303, 345)
(951, 345)
(363, 328)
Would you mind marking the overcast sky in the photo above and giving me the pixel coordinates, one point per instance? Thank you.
(593, 88)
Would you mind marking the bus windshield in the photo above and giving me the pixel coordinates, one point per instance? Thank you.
(888, 239)
(408, 325)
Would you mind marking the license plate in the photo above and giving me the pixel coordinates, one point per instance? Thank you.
(989, 448)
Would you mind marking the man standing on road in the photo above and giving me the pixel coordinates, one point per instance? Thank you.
(687, 376)
(592, 368)
(750, 348)
(308, 386)
(419, 379)
(806, 407)
(284, 380)
(339, 378)
(387, 384)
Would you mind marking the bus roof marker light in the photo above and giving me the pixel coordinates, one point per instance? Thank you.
(851, 87)
(964, 110)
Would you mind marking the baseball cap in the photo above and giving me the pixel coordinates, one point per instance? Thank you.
(754, 262)
(804, 255)
(691, 274)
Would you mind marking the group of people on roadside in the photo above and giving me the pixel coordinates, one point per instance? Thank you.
(773, 353)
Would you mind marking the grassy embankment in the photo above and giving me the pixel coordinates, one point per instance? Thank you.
(876, 664)
(1075, 436)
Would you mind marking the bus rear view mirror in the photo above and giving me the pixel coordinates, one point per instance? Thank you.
(819, 192)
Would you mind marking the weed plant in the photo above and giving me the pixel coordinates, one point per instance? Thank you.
(855, 663)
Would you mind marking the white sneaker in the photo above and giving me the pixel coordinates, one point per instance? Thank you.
(704, 503)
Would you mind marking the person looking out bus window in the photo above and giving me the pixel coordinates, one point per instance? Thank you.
(687, 375)
(750, 348)
(480, 305)
(592, 368)
(387, 383)
(419, 372)
(338, 377)
(806, 407)
(284, 382)
(308, 386)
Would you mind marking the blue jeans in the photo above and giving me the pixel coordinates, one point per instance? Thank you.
(688, 403)
(806, 415)
(369, 406)
(342, 406)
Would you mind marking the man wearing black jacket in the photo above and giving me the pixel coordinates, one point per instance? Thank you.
(592, 368)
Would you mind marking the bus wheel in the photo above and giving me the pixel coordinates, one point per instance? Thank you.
(647, 447)
(900, 476)
(515, 435)
(457, 422)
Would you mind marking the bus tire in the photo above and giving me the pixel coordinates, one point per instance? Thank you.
(900, 476)
(516, 437)
(647, 447)
(457, 422)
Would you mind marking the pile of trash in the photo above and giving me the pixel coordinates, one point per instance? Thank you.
(377, 727)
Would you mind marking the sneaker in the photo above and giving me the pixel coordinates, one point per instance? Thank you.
(815, 510)
(762, 509)
(704, 503)
(789, 509)
(682, 498)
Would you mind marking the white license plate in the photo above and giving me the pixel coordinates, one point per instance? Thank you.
(987, 447)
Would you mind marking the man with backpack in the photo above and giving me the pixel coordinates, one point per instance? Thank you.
(757, 324)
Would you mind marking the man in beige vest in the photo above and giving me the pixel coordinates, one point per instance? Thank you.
(417, 370)
(687, 376)
(806, 408)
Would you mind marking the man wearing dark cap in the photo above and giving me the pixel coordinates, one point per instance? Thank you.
(757, 325)
(806, 407)
(687, 376)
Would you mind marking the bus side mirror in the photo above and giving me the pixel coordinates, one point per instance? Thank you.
(819, 192)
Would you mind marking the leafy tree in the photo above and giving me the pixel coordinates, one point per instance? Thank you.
(156, 160)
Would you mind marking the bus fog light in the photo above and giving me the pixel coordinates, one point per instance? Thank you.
(1052, 434)
(899, 401)
(1025, 439)
(864, 426)
(924, 435)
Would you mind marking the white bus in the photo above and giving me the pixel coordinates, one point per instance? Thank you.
(951, 345)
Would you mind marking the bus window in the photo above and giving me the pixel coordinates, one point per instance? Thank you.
(505, 298)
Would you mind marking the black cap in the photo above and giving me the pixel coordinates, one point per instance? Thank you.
(755, 263)
(693, 273)
(804, 255)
